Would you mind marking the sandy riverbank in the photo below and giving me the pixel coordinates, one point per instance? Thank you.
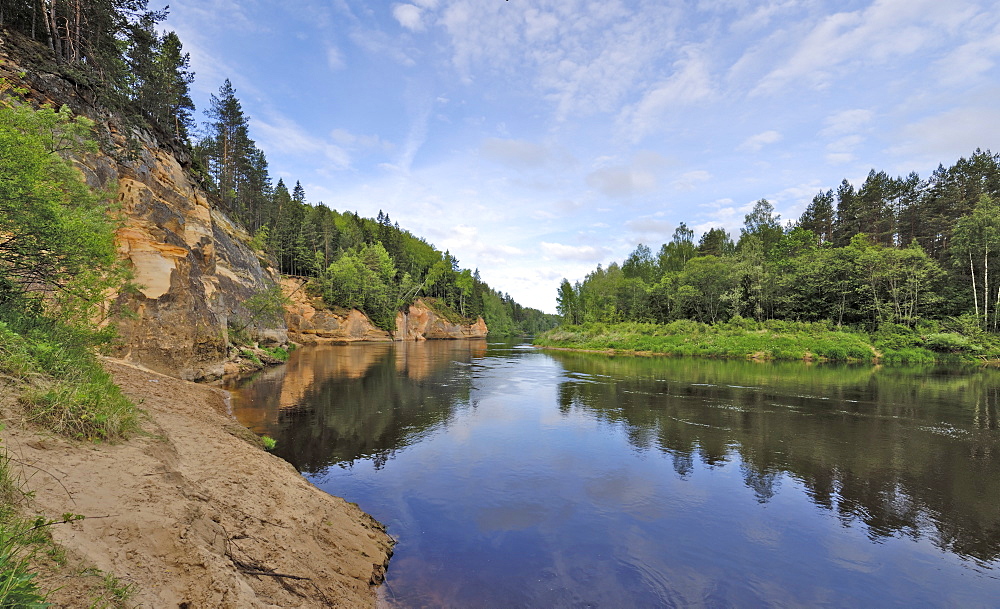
(193, 514)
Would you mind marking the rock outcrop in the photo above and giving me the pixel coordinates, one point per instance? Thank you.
(191, 263)
(421, 322)
(310, 322)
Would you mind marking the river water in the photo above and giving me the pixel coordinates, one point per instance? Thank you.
(513, 477)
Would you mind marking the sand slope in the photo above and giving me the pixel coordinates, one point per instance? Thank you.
(192, 510)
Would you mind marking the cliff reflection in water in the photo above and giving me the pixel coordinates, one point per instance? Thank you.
(333, 405)
(906, 452)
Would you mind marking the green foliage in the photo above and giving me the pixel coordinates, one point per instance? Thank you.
(278, 353)
(949, 342)
(70, 393)
(361, 279)
(17, 539)
(56, 236)
(268, 442)
(18, 588)
(250, 355)
(264, 308)
(871, 257)
(57, 262)
(739, 338)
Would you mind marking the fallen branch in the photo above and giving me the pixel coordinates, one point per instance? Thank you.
(269, 574)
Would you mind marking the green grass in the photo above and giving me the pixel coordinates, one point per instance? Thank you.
(62, 384)
(20, 540)
(767, 340)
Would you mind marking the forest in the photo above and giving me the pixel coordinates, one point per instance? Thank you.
(895, 251)
(112, 50)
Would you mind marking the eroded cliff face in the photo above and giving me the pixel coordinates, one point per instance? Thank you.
(310, 322)
(191, 263)
(420, 322)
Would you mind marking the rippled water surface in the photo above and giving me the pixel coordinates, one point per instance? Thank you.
(513, 477)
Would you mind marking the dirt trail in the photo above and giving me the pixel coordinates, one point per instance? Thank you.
(190, 512)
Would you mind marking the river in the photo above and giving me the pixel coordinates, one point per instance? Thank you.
(514, 477)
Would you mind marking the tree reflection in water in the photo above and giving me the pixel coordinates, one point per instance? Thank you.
(904, 451)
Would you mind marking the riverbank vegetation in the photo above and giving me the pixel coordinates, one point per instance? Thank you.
(57, 263)
(777, 340)
(902, 263)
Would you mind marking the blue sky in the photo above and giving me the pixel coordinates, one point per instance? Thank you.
(536, 139)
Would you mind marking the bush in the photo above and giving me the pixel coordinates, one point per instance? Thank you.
(948, 342)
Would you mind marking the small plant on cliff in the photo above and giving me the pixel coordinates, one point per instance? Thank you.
(268, 442)
(266, 307)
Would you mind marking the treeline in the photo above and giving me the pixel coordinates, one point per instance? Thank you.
(369, 264)
(894, 251)
(112, 49)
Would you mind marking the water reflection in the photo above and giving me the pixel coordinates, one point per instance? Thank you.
(333, 405)
(519, 478)
(904, 451)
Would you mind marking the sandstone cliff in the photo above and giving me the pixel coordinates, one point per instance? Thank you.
(191, 262)
(311, 322)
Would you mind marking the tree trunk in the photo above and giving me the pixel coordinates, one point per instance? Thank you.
(975, 294)
(56, 39)
(986, 288)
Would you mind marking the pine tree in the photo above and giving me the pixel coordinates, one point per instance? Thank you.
(228, 146)
(818, 217)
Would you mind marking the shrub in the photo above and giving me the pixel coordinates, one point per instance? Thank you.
(948, 342)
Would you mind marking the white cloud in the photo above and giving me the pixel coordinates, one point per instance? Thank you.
(334, 58)
(467, 239)
(621, 182)
(279, 133)
(346, 139)
(584, 56)
(845, 144)
(840, 158)
(519, 154)
(847, 121)
(650, 226)
(975, 59)
(409, 16)
(689, 83)
(578, 253)
(689, 180)
(885, 30)
(947, 136)
(755, 142)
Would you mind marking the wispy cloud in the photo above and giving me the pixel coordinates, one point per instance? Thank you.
(689, 180)
(519, 154)
(846, 121)
(278, 133)
(409, 16)
(945, 137)
(689, 83)
(578, 253)
(885, 30)
(334, 58)
(754, 143)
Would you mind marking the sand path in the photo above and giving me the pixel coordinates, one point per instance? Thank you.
(190, 512)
